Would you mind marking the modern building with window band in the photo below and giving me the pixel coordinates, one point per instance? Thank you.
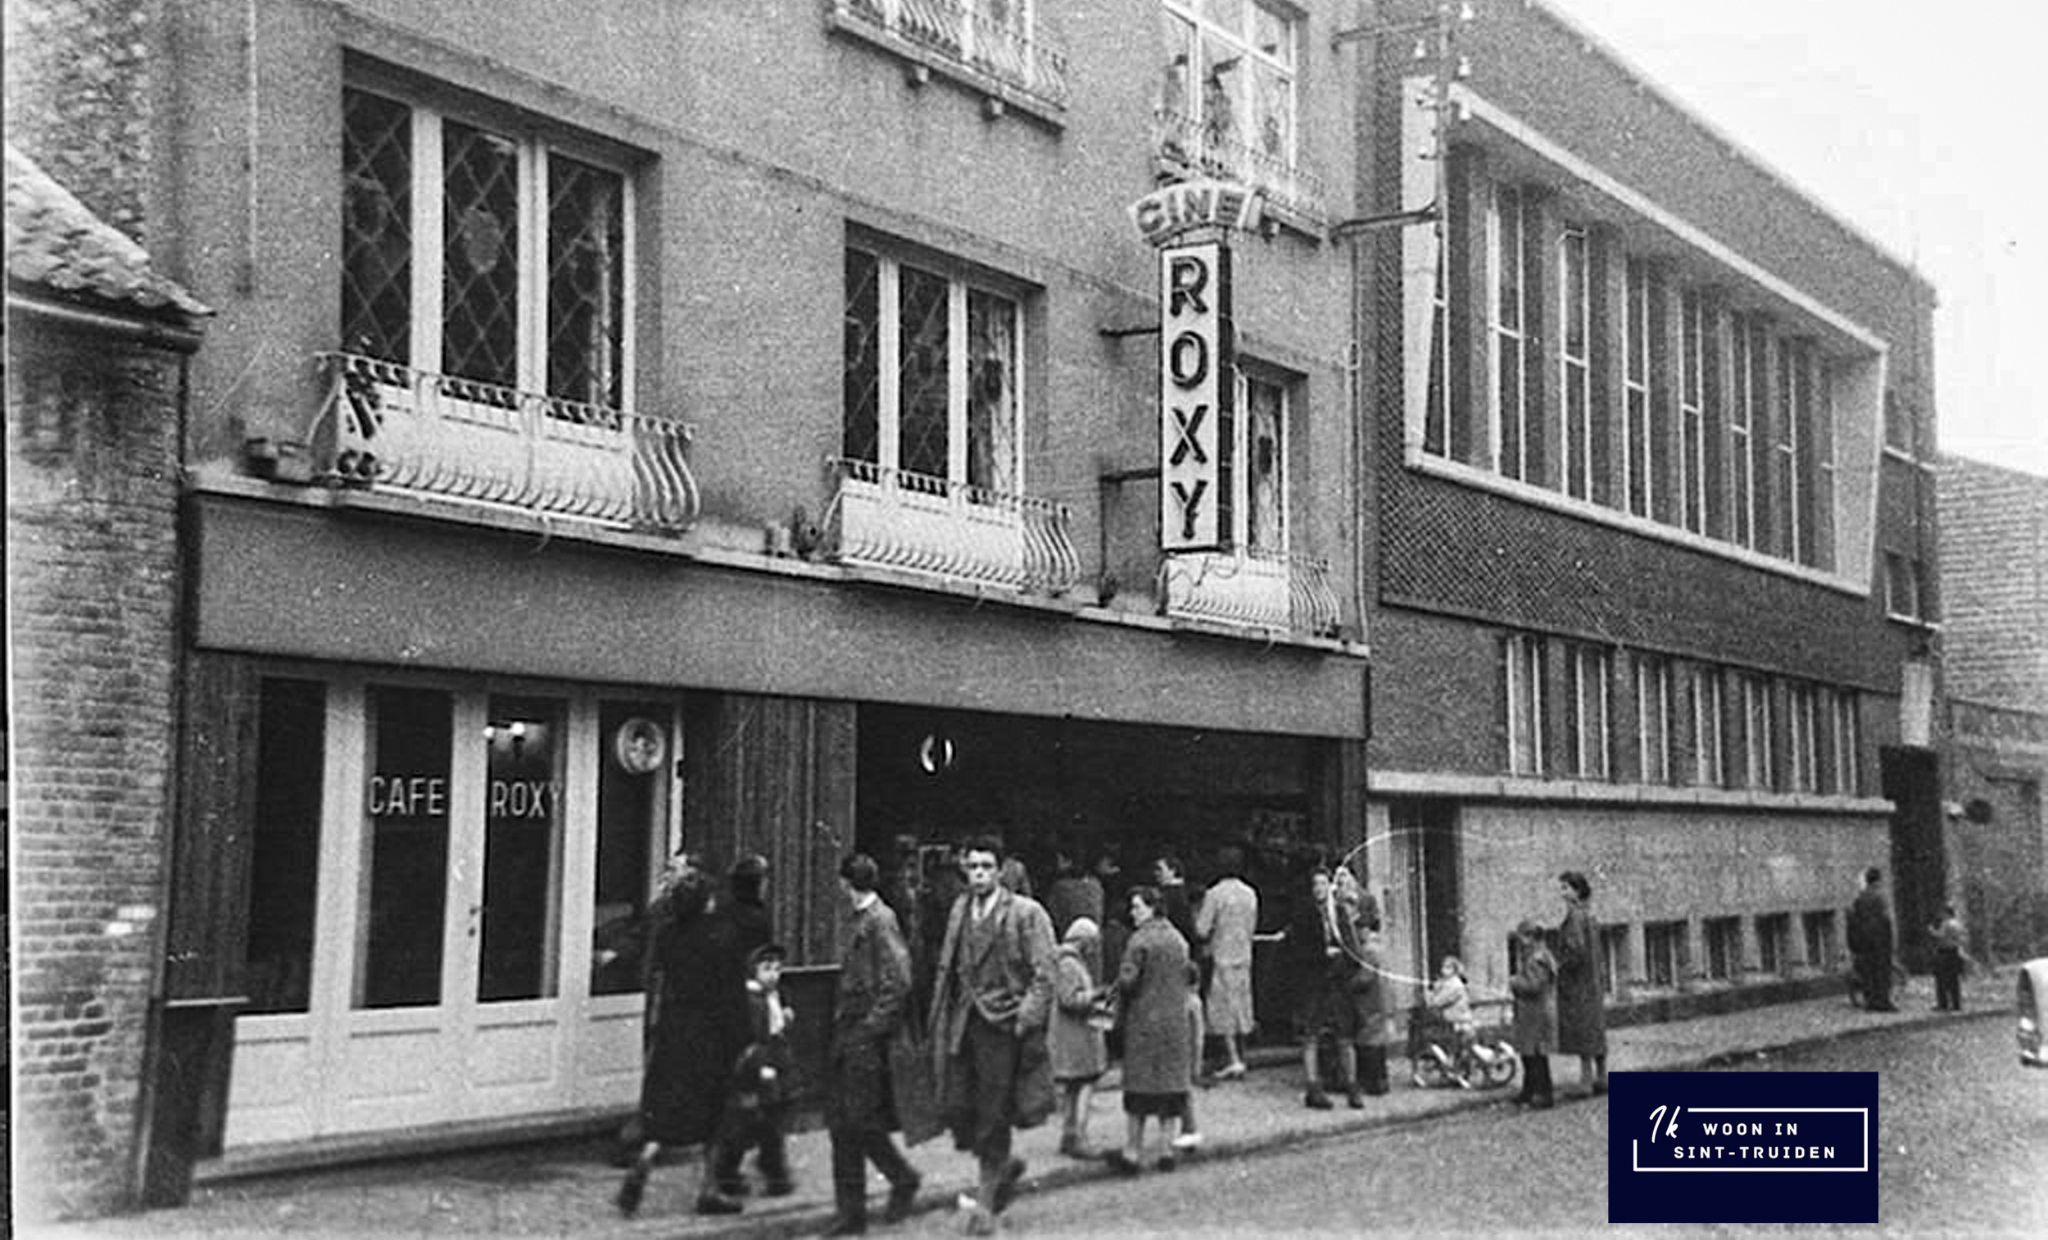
(799, 428)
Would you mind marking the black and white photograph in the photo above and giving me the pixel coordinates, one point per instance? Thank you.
(768, 618)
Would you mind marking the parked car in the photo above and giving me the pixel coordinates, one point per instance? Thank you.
(2032, 1001)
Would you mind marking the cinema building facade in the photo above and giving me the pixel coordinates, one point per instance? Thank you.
(731, 427)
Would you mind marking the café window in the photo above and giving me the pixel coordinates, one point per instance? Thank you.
(405, 844)
(931, 382)
(523, 840)
(284, 858)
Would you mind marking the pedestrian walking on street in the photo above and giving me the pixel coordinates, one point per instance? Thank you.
(870, 1005)
(1581, 1003)
(1534, 986)
(990, 1008)
(1870, 943)
(1326, 981)
(700, 1028)
(1225, 923)
(1152, 997)
(628, 953)
(1079, 1057)
(1948, 960)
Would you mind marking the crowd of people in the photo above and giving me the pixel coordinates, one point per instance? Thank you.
(965, 1004)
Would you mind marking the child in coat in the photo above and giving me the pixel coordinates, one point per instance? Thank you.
(1535, 988)
(1075, 1040)
(757, 1099)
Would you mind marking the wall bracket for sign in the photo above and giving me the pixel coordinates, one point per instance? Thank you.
(1118, 333)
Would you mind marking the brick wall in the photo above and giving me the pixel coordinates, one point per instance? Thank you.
(78, 99)
(92, 493)
(1994, 566)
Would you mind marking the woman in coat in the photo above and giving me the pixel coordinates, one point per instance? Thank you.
(1534, 986)
(1581, 1008)
(1075, 1040)
(701, 1027)
(1152, 988)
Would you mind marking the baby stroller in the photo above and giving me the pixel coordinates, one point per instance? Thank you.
(1483, 1059)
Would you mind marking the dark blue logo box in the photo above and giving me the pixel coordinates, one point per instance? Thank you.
(1742, 1147)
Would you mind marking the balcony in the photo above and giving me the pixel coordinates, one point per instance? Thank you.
(1187, 148)
(997, 46)
(388, 426)
(1251, 590)
(915, 523)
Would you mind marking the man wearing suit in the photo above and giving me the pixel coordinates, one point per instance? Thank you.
(992, 998)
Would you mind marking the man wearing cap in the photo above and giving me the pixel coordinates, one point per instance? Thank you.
(869, 1006)
(992, 1000)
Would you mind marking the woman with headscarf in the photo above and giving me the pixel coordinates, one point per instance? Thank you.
(1152, 990)
(1075, 1040)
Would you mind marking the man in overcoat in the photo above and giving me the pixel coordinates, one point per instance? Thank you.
(992, 998)
(868, 1007)
(1870, 943)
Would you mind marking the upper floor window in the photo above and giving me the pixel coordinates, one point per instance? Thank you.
(1591, 670)
(1691, 475)
(478, 251)
(931, 382)
(1759, 769)
(1259, 445)
(1639, 320)
(1844, 743)
(1745, 410)
(1227, 95)
(1709, 748)
(1574, 361)
(1901, 423)
(1522, 683)
(1507, 231)
(1653, 719)
(1905, 588)
(1789, 465)
(1802, 711)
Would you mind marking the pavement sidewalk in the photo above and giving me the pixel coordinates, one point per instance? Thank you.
(565, 1188)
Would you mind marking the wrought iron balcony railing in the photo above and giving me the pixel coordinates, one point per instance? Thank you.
(1253, 590)
(1185, 143)
(1002, 40)
(892, 518)
(388, 425)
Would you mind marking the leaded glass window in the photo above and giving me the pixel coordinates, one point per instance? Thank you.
(449, 229)
(931, 381)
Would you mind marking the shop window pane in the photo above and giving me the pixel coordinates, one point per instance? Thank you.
(406, 839)
(522, 850)
(632, 808)
(285, 852)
